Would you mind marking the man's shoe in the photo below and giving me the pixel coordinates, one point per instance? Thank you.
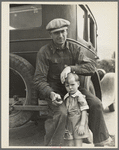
(111, 142)
(108, 143)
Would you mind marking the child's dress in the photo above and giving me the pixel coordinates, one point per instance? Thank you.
(75, 104)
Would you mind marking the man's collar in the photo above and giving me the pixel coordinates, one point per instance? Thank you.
(54, 47)
(74, 95)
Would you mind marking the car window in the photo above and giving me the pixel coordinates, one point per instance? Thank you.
(92, 31)
(25, 16)
(86, 26)
(80, 22)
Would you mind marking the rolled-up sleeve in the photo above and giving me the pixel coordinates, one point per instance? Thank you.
(83, 64)
(40, 76)
(82, 102)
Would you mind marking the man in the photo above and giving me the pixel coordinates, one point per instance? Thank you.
(54, 61)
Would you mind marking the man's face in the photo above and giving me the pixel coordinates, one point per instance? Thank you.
(59, 37)
(72, 85)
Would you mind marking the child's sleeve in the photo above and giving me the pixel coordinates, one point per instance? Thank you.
(83, 103)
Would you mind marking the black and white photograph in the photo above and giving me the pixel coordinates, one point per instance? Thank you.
(59, 74)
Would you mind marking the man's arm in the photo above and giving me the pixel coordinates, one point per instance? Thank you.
(40, 76)
(83, 66)
(40, 79)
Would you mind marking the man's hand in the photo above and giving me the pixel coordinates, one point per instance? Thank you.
(55, 97)
(64, 74)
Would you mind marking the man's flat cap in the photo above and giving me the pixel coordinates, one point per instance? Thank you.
(57, 25)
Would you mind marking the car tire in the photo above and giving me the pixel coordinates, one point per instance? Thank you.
(21, 81)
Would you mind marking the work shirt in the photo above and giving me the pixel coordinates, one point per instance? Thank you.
(75, 103)
(51, 61)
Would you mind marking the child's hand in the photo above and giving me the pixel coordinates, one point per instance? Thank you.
(81, 130)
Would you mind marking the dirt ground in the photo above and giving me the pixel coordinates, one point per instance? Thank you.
(32, 135)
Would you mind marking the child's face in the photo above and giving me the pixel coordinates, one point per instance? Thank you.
(72, 85)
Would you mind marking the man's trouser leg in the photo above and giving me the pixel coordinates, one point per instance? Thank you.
(96, 118)
(55, 126)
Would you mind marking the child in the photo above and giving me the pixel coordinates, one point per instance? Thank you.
(77, 123)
